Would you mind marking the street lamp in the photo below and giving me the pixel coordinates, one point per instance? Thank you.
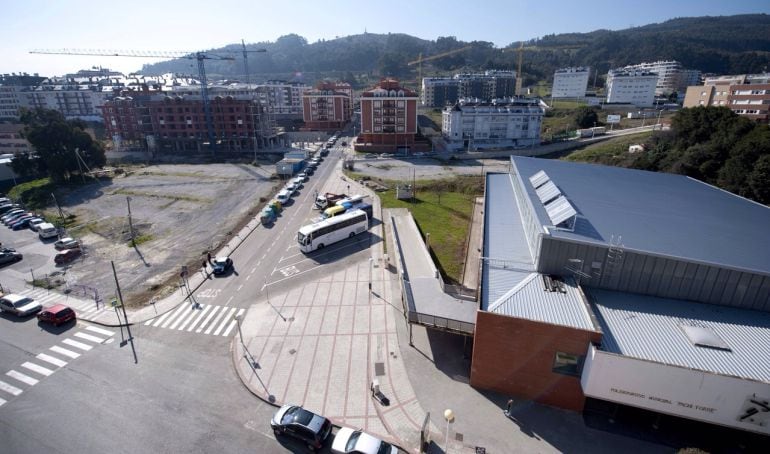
(237, 319)
(450, 417)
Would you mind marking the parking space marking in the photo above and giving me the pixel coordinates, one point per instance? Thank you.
(22, 378)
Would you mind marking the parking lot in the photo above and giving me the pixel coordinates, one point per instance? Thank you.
(178, 213)
(386, 168)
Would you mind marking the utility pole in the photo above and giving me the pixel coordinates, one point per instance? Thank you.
(125, 316)
(61, 214)
(80, 168)
(130, 222)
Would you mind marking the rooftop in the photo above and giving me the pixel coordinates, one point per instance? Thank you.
(655, 213)
(661, 330)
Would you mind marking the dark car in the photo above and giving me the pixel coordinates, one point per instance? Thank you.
(67, 256)
(6, 207)
(299, 423)
(10, 257)
(222, 265)
(11, 219)
(21, 223)
(56, 315)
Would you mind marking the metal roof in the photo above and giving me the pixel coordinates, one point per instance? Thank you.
(658, 213)
(651, 328)
(508, 259)
(530, 300)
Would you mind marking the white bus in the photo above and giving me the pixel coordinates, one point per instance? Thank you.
(347, 225)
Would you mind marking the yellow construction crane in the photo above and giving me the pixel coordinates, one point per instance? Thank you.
(420, 59)
(199, 56)
(521, 50)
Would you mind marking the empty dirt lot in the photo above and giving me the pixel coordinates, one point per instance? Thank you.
(179, 213)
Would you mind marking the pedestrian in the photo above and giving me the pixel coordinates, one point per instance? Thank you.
(209, 257)
(348, 188)
(203, 265)
(508, 409)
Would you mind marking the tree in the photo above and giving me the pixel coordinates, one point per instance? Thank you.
(586, 117)
(55, 140)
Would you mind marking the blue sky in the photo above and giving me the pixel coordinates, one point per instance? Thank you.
(196, 24)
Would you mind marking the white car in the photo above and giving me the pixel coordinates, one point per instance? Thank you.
(66, 243)
(19, 305)
(349, 440)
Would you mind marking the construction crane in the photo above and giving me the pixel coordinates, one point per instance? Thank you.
(420, 59)
(200, 56)
(521, 50)
(246, 59)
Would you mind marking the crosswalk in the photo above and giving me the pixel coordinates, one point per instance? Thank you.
(204, 319)
(30, 373)
(83, 307)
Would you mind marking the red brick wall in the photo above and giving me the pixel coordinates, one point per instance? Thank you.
(515, 357)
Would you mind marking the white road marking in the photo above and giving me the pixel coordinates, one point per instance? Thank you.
(64, 351)
(187, 319)
(77, 344)
(173, 316)
(39, 369)
(211, 314)
(2, 401)
(182, 316)
(228, 300)
(198, 318)
(227, 318)
(159, 320)
(239, 288)
(215, 321)
(247, 277)
(100, 330)
(50, 359)
(22, 378)
(9, 389)
(255, 268)
(89, 337)
(232, 324)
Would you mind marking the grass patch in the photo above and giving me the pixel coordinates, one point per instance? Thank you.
(610, 152)
(444, 209)
(140, 239)
(35, 194)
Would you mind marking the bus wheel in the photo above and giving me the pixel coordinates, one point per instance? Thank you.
(352, 234)
(321, 246)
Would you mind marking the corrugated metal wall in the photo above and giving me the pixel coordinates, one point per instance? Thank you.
(532, 227)
(658, 276)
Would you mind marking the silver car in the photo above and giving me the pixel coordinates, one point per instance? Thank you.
(19, 305)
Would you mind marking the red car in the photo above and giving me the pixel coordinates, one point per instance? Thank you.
(56, 315)
(67, 256)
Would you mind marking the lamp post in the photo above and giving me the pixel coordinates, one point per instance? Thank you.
(450, 417)
(240, 334)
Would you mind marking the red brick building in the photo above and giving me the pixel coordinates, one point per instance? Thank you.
(179, 123)
(388, 118)
(328, 107)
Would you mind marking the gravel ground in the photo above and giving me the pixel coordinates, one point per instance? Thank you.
(426, 168)
(179, 213)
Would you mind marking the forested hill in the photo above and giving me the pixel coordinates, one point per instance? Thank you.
(723, 45)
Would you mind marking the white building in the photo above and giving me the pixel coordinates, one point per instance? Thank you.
(502, 123)
(671, 76)
(631, 87)
(570, 82)
(492, 84)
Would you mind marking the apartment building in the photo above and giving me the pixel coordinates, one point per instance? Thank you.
(388, 117)
(500, 123)
(12, 94)
(631, 87)
(745, 94)
(284, 99)
(11, 141)
(672, 77)
(72, 100)
(325, 108)
(570, 82)
(492, 84)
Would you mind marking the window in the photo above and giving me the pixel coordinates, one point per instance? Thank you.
(568, 364)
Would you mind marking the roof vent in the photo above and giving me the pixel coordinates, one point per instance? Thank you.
(539, 179)
(704, 337)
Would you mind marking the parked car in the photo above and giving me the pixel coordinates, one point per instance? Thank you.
(222, 265)
(349, 440)
(11, 214)
(5, 207)
(10, 220)
(20, 223)
(67, 256)
(10, 257)
(66, 243)
(292, 186)
(34, 222)
(19, 305)
(302, 176)
(297, 422)
(56, 315)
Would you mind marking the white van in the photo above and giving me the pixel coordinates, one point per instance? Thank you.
(352, 199)
(283, 196)
(47, 230)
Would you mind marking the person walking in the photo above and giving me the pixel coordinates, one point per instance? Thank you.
(508, 408)
(209, 257)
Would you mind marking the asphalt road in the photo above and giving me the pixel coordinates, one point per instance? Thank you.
(78, 389)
